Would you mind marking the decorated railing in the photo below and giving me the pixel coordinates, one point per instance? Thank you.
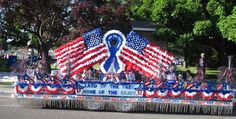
(164, 89)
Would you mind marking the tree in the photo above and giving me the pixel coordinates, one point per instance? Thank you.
(106, 14)
(187, 22)
(227, 26)
(175, 20)
(43, 22)
(49, 23)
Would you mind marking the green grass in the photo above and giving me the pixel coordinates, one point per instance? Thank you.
(53, 67)
(5, 83)
(5, 69)
(4, 65)
(210, 72)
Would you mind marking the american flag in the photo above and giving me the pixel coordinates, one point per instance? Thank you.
(145, 57)
(81, 53)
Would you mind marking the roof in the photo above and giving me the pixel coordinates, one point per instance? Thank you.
(143, 26)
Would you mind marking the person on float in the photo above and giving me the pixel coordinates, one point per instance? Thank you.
(116, 77)
(188, 78)
(171, 74)
(122, 76)
(131, 76)
(180, 78)
(89, 74)
(201, 68)
(100, 75)
(126, 73)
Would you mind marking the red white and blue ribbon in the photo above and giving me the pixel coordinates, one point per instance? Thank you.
(189, 93)
(161, 92)
(175, 92)
(68, 89)
(223, 94)
(22, 88)
(150, 93)
(52, 89)
(207, 93)
(36, 88)
(224, 97)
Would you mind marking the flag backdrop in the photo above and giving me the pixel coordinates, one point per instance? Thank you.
(138, 54)
(141, 55)
(81, 53)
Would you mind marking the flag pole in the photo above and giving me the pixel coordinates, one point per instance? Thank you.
(68, 67)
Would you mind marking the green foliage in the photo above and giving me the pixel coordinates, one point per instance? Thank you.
(161, 11)
(186, 23)
(234, 10)
(228, 27)
(215, 9)
(142, 9)
(202, 28)
(165, 33)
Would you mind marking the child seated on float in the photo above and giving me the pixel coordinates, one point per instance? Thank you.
(111, 77)
(180, 78)
(170, 74)
(100, 75)
(131, 76)
(188, 77)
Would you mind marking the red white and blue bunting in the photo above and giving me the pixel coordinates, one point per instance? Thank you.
(36, 88)
(161, 90)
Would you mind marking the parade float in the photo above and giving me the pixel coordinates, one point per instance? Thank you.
(115, 72)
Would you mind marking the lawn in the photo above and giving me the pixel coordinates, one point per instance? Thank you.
(4, 65)
(210, 72)
(5, 83)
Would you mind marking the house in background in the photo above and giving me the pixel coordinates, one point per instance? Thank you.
(147, 30)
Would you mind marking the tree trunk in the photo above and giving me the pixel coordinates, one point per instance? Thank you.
(186, 60)
(222, 53)
(46, 60)
(186, 56)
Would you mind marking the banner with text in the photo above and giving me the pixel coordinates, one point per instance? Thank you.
(110, 89)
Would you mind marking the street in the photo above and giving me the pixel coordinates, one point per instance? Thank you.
(11, 109)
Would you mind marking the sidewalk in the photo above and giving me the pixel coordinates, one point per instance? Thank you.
(7, 77)
(6, 89)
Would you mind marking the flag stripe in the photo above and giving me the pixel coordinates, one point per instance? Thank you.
(64, 48)
(88, 56)
(89, 53)
(144, 56)
(81, 53)
(166, 55)
(71, 50)
(92, 61)
(155, 56)
(137, 66)
(137, 60)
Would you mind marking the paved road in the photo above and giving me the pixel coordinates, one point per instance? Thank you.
(11, 109)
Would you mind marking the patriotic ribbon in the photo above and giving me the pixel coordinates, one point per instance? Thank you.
(113, 36)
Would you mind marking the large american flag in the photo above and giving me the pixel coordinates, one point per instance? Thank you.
(81, 53)
(145, 57)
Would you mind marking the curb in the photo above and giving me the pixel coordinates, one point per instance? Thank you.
(6, 92)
